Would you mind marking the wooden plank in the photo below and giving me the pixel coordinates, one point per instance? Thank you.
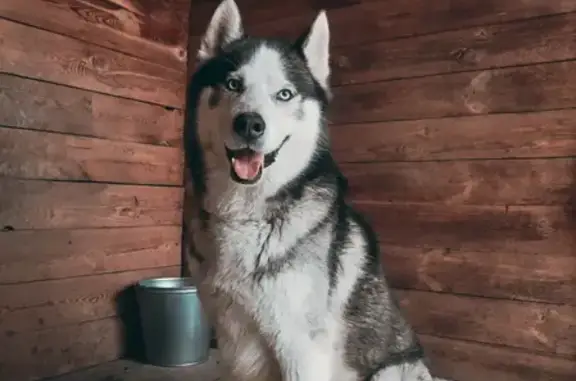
(465, 361)
(50, 304)
(295, 16)
(54, 254)
(130, 370)
(542, 134)
(155, 31)
(519, 89)
(42, 155)
(541, 277)
(390, 19)
(519, 229)
(26, 103)
(537, 327)
(29, 52)
(255, 12)
(34, 355)
(37, 204)
(525, 42)
(491, 182)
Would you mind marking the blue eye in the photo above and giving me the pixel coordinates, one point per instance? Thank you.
(233, 84)
(285, 95)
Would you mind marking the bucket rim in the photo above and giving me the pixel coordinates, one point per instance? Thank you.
(185, 284)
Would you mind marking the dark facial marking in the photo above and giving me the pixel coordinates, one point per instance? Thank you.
(215, 97)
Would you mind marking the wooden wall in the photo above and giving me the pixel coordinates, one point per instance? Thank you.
(91, 96)
(456, 124)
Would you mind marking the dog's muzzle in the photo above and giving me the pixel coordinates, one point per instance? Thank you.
(247, 165)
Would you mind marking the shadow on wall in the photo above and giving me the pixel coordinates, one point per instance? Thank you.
(132, 339)
(186, 246)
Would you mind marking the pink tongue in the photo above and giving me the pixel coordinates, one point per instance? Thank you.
(248, 166)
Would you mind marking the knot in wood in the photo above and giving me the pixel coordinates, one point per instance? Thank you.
(465, 56)
(181, 54)
(342, 62)
(476, 95)
(98, 63)
(482, 34)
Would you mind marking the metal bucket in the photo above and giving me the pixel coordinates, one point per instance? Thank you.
(175, 328)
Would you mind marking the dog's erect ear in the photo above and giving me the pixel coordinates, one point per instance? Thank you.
(225, 27)
(315, 45)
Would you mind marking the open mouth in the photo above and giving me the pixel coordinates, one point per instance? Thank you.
(246, 165)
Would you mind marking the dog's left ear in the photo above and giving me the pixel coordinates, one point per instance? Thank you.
(224, 27)
(315, 46)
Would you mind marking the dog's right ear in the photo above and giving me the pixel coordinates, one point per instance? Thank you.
(224, 27)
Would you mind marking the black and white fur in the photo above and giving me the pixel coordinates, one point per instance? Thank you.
(288, 271)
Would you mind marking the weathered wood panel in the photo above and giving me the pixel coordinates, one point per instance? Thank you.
(366, 21)
(543, 134)
(489, 182)
(531, 41)
(30, 104)
(130, 370)
(521, 229)
(520, 89)
(533, 326)
(37, 204)
(34, 355)
(155, 30)
(56, 303)
(34, 255)
(466, 361)
(255, 12)
(384, 20)
(90, 94)
(259, 17)
(541, 277)
(42, 155)
(29, 52)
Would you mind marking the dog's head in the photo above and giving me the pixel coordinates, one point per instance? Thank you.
(260, 101)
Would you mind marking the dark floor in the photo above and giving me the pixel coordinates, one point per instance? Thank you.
(126, 370)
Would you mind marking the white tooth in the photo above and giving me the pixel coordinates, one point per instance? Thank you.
(233, 160)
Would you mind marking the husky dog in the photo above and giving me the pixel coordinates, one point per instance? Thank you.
(289, 273)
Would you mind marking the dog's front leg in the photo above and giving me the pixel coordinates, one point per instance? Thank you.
(303, 359)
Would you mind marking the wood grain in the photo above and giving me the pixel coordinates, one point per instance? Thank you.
(260, 18)
(488, 182)
(56, 303)
(30, 104)
(381, 20)
(466, 361)
(255, 12)
(520, 89)
(524, 42)
(130, 370)
(29, 52)
(541, 134)
(42, 155)
(155, 31)
(34, 355)
(541, 277)
(520, 229)
(37, 204)
(537, 327)
(55, 254)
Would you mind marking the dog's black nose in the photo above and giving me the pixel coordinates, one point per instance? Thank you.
(249, 126)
